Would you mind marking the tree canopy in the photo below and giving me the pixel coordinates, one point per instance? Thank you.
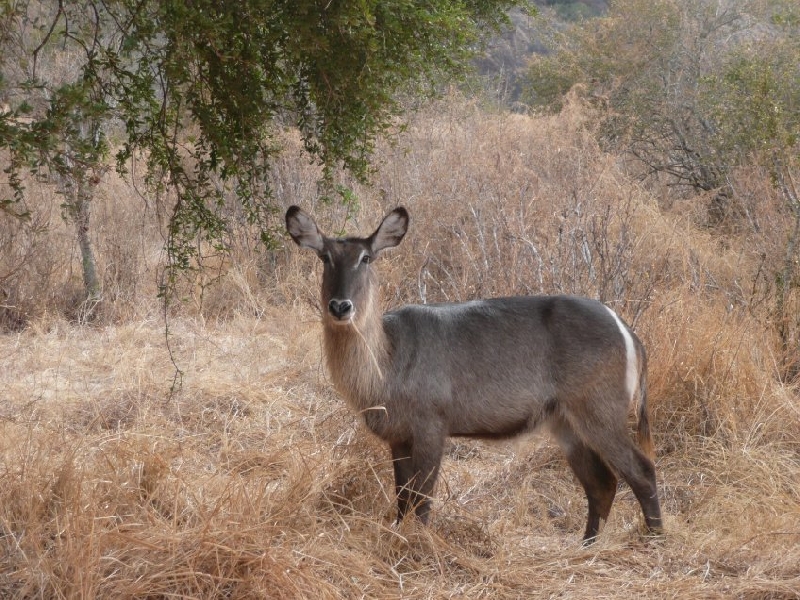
(199, 88)
(694, 91)
(690, 89)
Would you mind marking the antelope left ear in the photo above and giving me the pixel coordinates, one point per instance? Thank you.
(391, 230)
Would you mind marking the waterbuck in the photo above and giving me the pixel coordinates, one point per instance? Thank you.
(487, 368)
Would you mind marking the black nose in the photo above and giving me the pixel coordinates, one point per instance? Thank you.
(340, 308)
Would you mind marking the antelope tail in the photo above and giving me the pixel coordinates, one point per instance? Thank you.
(643, 435)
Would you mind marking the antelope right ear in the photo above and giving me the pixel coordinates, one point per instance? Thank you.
(303, 229)
(391, 230)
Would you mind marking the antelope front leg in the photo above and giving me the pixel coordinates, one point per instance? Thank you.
(403, 472)
(416, 467)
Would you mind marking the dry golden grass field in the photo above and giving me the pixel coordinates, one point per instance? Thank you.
(251, 479)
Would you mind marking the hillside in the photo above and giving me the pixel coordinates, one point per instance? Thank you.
(244, 475)
(505, 61)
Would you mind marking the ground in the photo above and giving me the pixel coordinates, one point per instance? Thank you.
(247, 477)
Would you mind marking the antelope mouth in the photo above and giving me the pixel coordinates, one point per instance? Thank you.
(342, 321)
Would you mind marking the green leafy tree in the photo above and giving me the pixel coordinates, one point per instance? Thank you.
(649, 65)
(199, 88)
(693, 90)
(754, 101)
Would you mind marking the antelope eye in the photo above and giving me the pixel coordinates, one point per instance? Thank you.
(366, 260)
(325, 258)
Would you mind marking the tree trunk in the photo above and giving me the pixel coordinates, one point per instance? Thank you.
(82, 214)
(79, 175)
(78, 190)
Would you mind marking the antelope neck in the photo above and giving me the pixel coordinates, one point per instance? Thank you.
(358, 360)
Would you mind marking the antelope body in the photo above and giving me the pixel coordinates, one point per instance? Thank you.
(487, 368)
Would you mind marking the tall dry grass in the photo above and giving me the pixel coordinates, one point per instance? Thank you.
(252, 480)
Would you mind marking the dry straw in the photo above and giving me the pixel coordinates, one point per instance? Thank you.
(253, 480)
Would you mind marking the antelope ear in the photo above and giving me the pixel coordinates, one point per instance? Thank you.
(303, 229)
(391, 230)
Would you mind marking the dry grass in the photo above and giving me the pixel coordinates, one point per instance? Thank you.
(252, 480)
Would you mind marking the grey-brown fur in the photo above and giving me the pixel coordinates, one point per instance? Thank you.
(488, 368)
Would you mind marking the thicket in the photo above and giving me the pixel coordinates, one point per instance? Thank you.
(697, 96)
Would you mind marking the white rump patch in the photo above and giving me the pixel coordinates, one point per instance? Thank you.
(632, 369)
